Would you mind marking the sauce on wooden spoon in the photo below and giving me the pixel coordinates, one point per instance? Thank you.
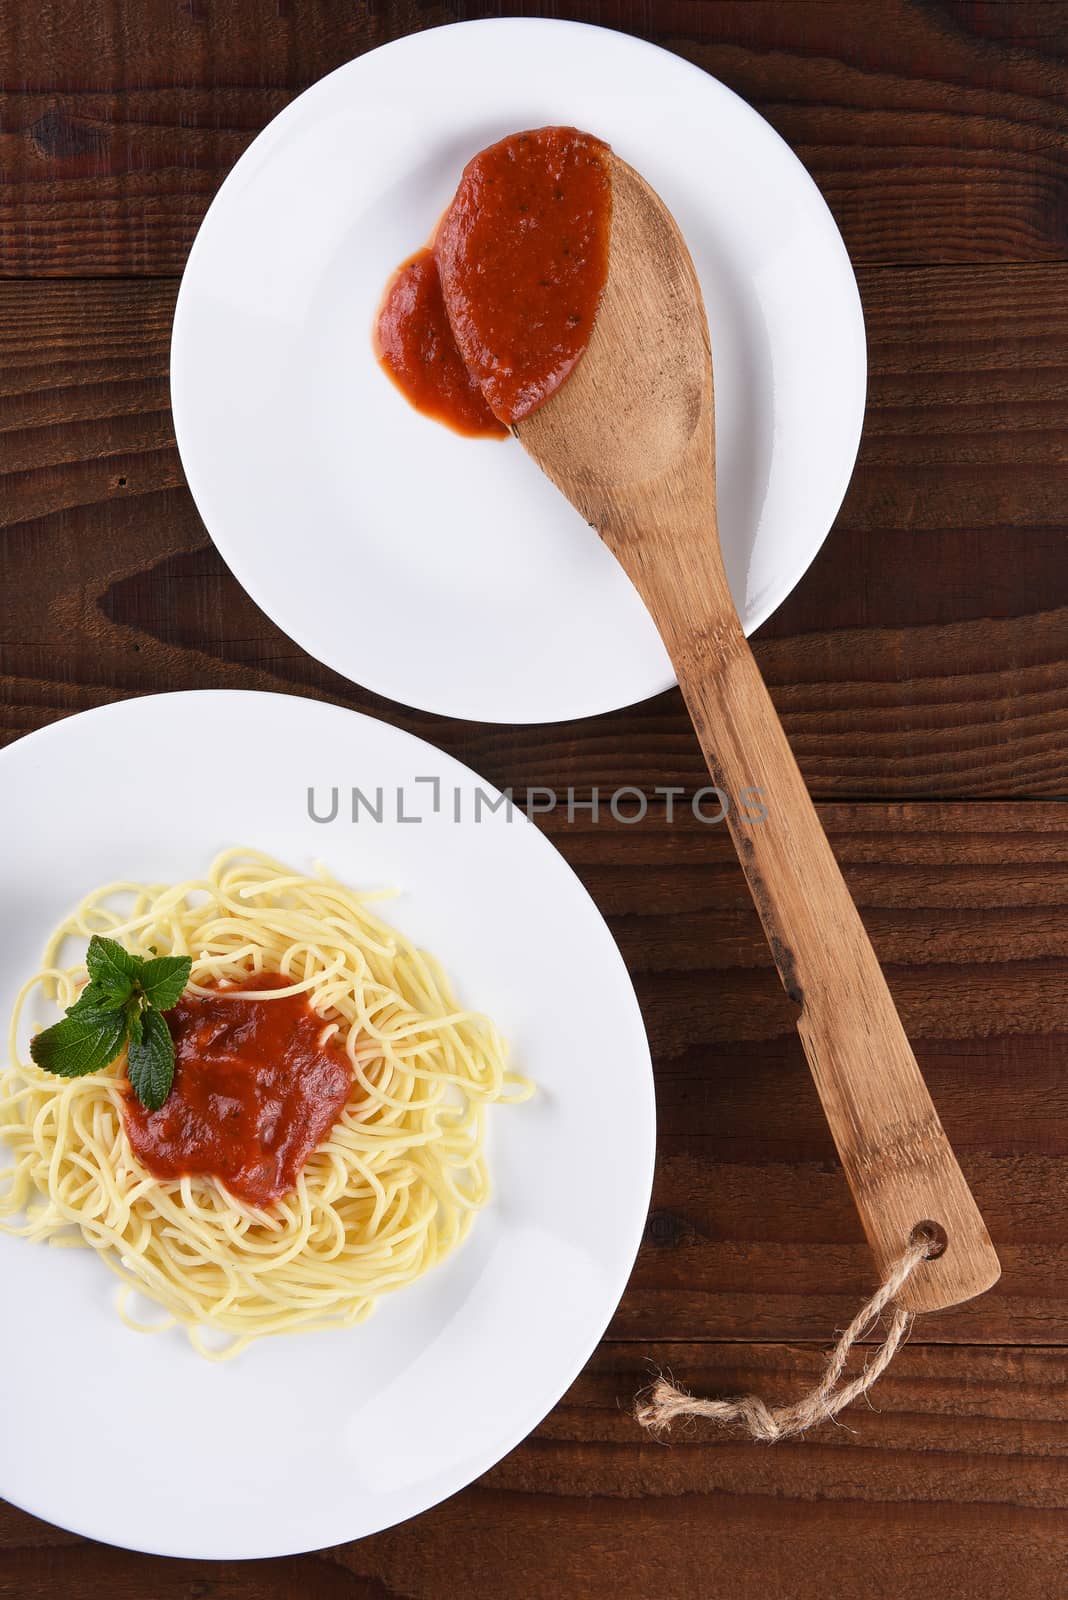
(483, 326)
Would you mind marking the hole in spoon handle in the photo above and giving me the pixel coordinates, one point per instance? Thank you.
(921, 1196)
(933, 1236)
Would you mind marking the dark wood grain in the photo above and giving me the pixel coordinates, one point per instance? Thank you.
(923, 654)
(954, 1488)
(936, 130)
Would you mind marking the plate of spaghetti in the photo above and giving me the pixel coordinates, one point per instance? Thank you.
(326, 1112)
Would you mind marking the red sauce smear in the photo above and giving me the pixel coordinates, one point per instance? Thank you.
(417, 349)
(521, 258)
(254, 1093)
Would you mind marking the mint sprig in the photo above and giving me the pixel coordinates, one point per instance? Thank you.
(122, 1004)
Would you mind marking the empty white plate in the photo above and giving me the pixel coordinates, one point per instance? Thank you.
(316, 1438)
(444, 572)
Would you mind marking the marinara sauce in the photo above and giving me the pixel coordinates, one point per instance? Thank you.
(417, 349)
(254, 1093)
(508, 290)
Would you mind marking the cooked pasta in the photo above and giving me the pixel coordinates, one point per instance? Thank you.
(386, 1196)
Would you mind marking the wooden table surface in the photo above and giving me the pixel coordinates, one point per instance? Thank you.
(920, 668)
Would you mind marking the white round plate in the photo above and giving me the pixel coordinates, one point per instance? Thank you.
(314, 1439)
(444, 572)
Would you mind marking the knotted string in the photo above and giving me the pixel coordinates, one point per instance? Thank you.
(657, 1408)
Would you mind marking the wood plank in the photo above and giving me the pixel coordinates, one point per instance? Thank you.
(936, 133)
(954, 1485)
(923, 654)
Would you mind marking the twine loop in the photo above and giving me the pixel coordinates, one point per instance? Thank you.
(660, 1406)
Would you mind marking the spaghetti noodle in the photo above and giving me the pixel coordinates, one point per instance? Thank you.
(387, 1195)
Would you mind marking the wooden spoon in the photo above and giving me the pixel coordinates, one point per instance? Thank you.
(629, 439)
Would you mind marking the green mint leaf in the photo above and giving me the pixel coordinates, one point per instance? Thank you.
(79, 1044)
(150, 1062)
(94, 997)
(113, 969)
(164, 979)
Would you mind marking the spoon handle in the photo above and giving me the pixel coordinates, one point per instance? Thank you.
(898, 1161)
